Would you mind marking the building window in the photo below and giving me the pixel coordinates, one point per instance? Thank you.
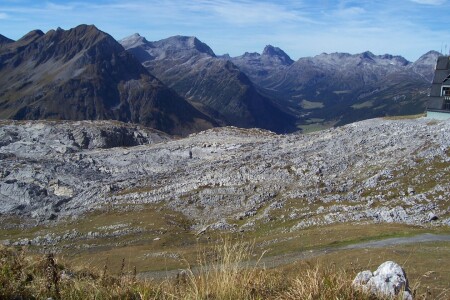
(446, 105)
(445, 91)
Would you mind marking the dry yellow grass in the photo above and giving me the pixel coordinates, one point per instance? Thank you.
(230, 270)
(224, 273)
(319, 282)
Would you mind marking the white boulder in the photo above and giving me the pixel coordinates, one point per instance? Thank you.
(388, 280)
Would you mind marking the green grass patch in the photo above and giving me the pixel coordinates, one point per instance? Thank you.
(305, 104)
(367, 104)
(314, 127)
(342, 92)
(406, 117)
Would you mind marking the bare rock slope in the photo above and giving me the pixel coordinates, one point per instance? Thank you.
(377, 170)
(84, 74)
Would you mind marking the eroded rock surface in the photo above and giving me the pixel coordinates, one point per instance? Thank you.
(228, 178)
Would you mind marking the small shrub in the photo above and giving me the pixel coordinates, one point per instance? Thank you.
(223, 274)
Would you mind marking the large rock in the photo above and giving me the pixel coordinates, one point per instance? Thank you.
(388, 280)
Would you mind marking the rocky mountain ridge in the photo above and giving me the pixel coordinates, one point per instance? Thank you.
(215, 86)
(255, 63)
(340, 88)
(260, 67)
(425, 65)
(84, 74)
(328, 89)
(94, 77)
(277, 53)
(4, 40)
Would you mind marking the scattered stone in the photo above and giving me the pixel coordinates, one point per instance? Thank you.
(389, 280)
(432, 217)
(66, 275)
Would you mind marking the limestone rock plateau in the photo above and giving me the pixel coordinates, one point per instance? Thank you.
(84, 74)
(228, 178)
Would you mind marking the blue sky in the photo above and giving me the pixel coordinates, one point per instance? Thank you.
(301, 28)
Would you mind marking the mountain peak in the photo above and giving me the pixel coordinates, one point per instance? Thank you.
(426, 63)
(89, 32)
(5, 40)
(367, 55)
(85, 28)
(385, 59)
(182, 43)
(175, 46)
(79, 31)
(272, 51)
(84, 73)
(430, 54)
(133, 40)
(395, 59)
(32, 35)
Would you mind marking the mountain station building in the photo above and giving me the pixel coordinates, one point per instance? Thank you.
(439, 101)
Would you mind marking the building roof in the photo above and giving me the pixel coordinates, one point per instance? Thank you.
(442, 63)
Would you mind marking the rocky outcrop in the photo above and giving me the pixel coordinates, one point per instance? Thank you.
(70, 137)
(224, 177)
(389, 280)
(41, 161)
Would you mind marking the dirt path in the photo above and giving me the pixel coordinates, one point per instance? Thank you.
(275, 261)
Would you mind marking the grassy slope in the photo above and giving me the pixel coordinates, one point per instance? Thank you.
(176, 247)
(26, 276)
